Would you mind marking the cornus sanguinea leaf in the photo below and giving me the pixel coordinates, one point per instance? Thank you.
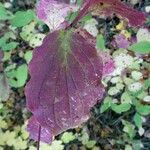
(65, 83)
(53, 12)
(108, 63)
(33, 128)
(109, 7)
(66, 70)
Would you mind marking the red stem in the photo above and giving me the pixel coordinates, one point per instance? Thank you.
(81, 14)
(39, 138)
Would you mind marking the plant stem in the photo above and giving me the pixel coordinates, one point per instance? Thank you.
(39, 138)
(81, 14)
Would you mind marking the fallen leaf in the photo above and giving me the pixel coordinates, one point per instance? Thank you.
(65, 82)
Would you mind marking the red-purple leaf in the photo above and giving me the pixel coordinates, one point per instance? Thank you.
(53, 12)
(65, 82)
(66, 70)
(108, 63)
(109, 7)
(33, 129)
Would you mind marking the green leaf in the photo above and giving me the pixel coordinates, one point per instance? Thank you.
(17, 78)
(147, 83)
(7, 138)
(90, 144)
(129, 128)
(9, 46)
(4, 14)
(2, 41)
(106, 104)
(136, 144)
(100, 42)
(23, 18)
(143, 109)
(128, 147)
(84, 138)
(86, 18)
(6, 43)
(67, 137)
(28, 31)
(79, 2)
(141, 47)
(28, 56)
(19, 143)
(141, 94)
(126, 98)
(120, 108)
(56, 145)
(138, 120)
(71, 16)
(36, 40)
(3, 124)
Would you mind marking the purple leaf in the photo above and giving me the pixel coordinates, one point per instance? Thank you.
(121, 41)
(53, 12)
(66, 70)
(65, 82)
(33, 129)
(109, 7)
(108, 63)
